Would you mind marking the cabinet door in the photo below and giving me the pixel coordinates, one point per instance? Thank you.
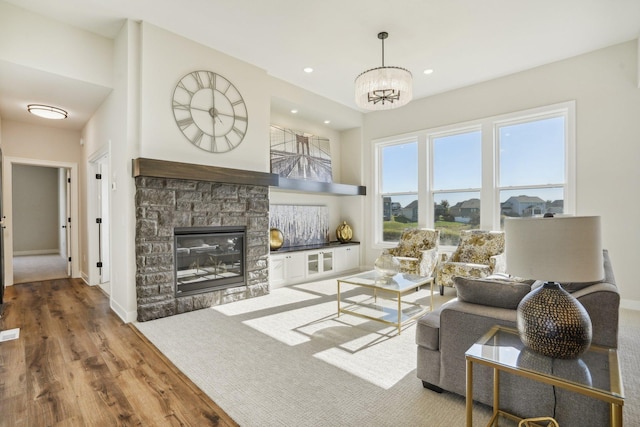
(295, 267)
(319, 262)
(327, 261)
(347, 258)
(277, 272)
(313, 263)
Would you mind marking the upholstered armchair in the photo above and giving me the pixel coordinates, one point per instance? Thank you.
(417, 251)
(479, 254)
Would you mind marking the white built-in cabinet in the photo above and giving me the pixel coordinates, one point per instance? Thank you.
(289, 268)
(286, 268)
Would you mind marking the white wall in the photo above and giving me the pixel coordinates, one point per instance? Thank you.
(65, 53)
(35, 210)
(166, 58)
(115, 129)
(604, 85)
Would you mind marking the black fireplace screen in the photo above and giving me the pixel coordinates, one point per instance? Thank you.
(209, 258)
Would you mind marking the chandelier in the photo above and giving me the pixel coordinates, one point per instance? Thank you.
(384, 88)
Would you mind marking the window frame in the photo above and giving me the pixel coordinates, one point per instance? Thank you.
(489, 190)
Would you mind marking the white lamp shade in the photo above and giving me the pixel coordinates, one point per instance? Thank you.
(560, 249)
(371, 84)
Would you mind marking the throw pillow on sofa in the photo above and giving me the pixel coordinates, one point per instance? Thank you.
(491, 292)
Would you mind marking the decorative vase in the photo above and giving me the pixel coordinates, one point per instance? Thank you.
(276, 239)
(344, 233)
(553, 323)
(387, 265)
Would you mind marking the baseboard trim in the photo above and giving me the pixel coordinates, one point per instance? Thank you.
(630, 304)
(37, 252)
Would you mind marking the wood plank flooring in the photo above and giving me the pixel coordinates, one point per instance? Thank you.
(77, 364)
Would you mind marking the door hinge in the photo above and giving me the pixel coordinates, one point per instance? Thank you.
(99, 264)
(69, 180)
(98, 220)
(69, 259)
(98, 176)
(69, 220)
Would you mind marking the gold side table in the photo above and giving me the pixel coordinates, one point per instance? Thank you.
(501, 349)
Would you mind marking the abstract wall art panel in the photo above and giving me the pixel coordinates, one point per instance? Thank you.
(300, 155)
(301, 225)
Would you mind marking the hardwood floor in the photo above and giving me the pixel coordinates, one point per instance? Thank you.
(77, 364)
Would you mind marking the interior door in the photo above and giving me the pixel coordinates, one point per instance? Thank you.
(68, 219)
(1, 240)
(103, 221)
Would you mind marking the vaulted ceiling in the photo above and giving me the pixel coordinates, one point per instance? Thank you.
(462, 41)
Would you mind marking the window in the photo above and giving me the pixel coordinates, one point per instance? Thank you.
(532, 167)
(475, 174)
(399, 188)
(456, 183)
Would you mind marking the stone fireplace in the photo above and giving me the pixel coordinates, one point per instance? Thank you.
(181, 197)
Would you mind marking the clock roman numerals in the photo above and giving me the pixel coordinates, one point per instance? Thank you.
(185, 123)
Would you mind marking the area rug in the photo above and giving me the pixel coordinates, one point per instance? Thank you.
(286, 359)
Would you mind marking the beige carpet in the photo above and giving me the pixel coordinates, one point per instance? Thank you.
(285, 359)
(36, 268)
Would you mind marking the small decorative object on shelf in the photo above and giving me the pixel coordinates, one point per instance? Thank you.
(387, 265)
(276, 239)
(344, 233)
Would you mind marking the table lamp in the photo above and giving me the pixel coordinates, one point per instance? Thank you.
(555, 250)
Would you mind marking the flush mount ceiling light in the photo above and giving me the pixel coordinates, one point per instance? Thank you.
(47, 111)
(384, 88)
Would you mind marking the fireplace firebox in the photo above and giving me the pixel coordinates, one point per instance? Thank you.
(208, 259)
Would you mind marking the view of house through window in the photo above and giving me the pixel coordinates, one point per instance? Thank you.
(526, 176)
(532, 167)
(399, 188)
(457, 178)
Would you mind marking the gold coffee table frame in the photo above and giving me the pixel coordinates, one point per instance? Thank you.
(398, 286)
(496, 349)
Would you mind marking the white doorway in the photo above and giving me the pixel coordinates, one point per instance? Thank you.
(60, 210)
(39, 213)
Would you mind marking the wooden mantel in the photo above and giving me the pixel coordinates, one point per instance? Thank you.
(176, 170)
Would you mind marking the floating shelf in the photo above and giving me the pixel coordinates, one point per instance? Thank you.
(304, 186)
(176, 170)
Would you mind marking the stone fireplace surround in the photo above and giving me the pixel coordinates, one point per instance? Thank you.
(171, 194)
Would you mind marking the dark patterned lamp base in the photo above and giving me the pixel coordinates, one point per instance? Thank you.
(554, 323)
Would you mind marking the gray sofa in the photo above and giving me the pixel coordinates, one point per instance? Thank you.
(444, 335)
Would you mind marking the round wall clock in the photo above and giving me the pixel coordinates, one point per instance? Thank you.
(210, 111)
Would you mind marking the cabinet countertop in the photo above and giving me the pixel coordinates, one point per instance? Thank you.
(329, 245)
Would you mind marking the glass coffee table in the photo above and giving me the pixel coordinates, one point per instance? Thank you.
(396, 313)
(596, 373)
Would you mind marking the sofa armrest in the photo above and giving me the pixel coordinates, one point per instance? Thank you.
(602, 302)
(461, 325)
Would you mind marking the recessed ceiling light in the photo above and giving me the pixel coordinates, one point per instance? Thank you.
(428, 71)
(326, 122)
(294, 111)
(308, 70)
(47, 111)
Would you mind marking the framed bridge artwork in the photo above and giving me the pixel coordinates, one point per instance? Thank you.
(300, 155)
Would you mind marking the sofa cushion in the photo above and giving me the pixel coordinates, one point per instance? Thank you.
(491, 292)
